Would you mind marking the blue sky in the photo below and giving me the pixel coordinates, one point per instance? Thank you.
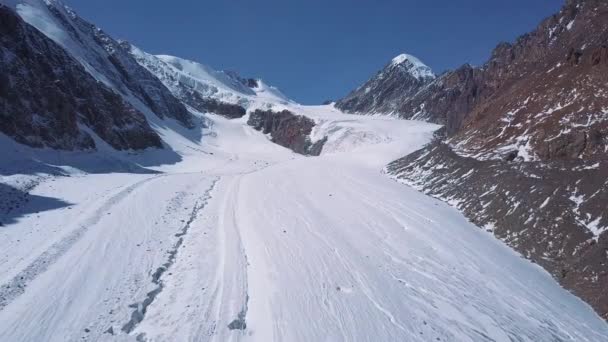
(315, 50)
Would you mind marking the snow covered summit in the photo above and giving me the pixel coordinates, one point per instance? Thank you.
(398, 81)
(413, 65)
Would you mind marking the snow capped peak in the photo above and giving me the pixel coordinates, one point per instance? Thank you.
(413, 65)
(405, 57)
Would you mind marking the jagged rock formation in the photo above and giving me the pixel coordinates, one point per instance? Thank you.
(228, 110)
(544, 97)
(48, 99)
(288, 130)
(526, 146)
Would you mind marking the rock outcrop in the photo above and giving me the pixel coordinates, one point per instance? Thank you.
(288, 130)
(228, 110)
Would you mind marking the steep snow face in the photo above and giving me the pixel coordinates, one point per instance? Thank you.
(269, 94)
(206, 76)
(195, 83)
(413, 65)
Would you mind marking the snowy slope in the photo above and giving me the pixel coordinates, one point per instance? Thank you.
(187, 79)
(241, 233)
(225, 236)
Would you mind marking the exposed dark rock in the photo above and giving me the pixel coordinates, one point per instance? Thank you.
(287, 129)
(229, 110)
(113, 60)
(239, 323)
(251, 83)
(47, 97)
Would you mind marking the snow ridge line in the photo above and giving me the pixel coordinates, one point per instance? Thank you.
(141, 308)
(16, 286)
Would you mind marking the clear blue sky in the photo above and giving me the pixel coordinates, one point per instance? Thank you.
(315, 50)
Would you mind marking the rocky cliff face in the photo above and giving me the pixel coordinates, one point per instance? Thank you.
(526, 146)
(288, 130)
(48, 99)
(544, 97)
(106, 59)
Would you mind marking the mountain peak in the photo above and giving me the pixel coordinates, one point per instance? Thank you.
(413, 65)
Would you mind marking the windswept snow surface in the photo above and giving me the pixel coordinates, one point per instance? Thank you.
(242, 240)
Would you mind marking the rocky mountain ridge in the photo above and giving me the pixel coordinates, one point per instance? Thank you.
(400, 79)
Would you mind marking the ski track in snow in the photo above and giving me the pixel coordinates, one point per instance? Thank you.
(17, 285)
(140, 308)
(243, 240)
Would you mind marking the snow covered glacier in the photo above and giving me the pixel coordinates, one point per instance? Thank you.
(242, 239)
(223, 235)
